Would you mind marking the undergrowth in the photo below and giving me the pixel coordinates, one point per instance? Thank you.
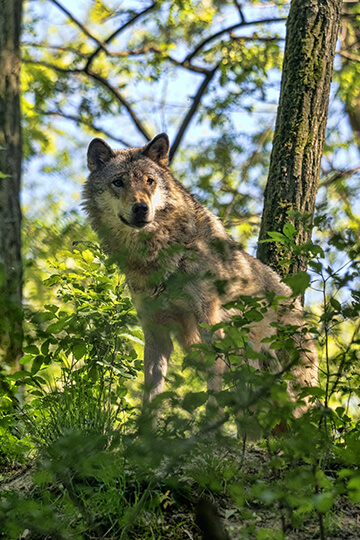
(100, 470)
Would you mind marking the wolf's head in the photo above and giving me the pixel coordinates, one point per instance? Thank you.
(127, 185)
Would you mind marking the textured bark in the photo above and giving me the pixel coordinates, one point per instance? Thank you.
(10, 165)
(312, 30)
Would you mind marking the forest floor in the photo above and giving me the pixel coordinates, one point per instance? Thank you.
(180, 518)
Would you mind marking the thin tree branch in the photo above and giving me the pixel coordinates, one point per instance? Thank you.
(349, 56)
(52, 66)
(228, 30)
(128, 53)
(166, 56)
(244, 170)
(87, 123)
(55, 48)
(79, 24)
(241, 13)
(104, 83)
(339, 174)
(186, 64)
(116, 33)
(188, 117)
(122, 100)
(256, 38)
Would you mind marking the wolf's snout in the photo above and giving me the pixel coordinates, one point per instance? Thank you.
(140, 210)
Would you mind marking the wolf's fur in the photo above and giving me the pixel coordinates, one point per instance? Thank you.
(181, 265)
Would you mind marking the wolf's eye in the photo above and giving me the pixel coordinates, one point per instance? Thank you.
(118, 183)
(150, 181)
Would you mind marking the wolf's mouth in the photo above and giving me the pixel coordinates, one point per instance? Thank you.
(136, 224)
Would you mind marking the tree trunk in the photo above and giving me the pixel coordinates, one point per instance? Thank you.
(312, 30)
(10, 172)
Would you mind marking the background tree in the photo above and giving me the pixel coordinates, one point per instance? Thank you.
(166, 66)
(350, 45)
(312, 31)
(10, 174)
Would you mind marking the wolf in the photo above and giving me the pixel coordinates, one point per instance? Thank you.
(180, 264)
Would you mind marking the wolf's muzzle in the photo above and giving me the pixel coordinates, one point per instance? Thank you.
(140, 211)
(140, 218)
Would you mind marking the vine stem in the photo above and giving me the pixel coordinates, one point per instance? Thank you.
(326, 330)
(321, 520)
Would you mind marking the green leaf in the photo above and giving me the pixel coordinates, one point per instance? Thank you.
(354, 488)
(193, 400)
(298, 282)
(317, 250)
(313, 391)
(277, 236)
(335, 304)
(31, 349)
(18, 375)
(57, 327)
(52, 308)
(26, 358)
(132, 337)
(45, 346)
(87, 256)
(323, 501)
(79, 349)
(253, 315)
(289, 230)
(37, 363)
(316, 265)
(52, 280)
(277, 345)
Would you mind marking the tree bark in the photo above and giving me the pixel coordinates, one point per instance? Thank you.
(10, 174)
(292, 185)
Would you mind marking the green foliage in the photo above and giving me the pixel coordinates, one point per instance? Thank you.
(101, 468)
(145, 78)
(84, 340)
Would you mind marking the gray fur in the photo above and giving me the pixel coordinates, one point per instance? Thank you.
(181, 265)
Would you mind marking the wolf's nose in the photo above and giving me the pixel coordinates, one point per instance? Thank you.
(140, 209)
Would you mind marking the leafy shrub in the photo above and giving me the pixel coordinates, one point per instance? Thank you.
(102, 470)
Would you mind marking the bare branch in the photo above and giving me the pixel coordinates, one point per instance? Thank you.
(166, 56)
(80, 25)
(228, 30)
(256, 38)
(122, 100)
(191, 112)
(241, 13)
(116, 33)
(349, 56)
(126, 54)
(55, 48)
(339, 174)
(87, 123)
(243, 174)
(103, 82)
(52, 66)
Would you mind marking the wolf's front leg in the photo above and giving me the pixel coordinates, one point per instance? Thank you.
(158, 348)
(215, 378)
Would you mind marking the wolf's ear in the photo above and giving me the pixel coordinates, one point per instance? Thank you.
(158, 149)
(98, 154)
